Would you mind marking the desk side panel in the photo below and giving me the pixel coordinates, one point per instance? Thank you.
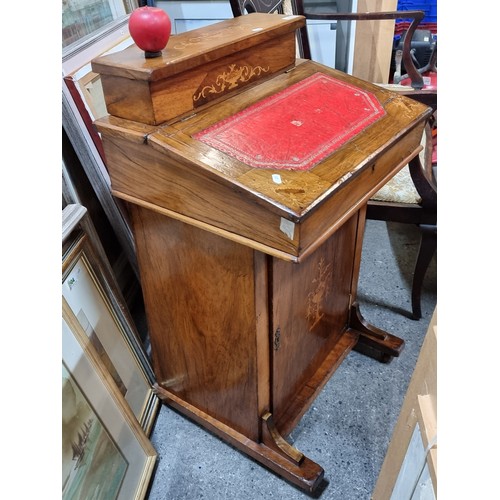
(200, 303)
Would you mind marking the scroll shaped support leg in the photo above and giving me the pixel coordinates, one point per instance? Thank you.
(290, 451)
(373, 341)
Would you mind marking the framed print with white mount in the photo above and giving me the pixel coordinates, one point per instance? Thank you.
(105, 453)
(91, 293)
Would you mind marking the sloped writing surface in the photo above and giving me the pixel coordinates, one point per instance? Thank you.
(297, 127)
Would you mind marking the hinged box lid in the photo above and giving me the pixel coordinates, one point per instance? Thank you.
(197, 67)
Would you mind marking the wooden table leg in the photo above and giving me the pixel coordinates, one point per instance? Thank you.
(372, 341)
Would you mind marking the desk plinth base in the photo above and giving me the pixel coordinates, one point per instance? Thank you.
(307, 475)
(274, 452)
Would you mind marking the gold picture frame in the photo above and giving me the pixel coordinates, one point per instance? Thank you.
(105, 452)
(90, 292)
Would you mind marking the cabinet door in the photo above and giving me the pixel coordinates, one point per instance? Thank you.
(310, 309)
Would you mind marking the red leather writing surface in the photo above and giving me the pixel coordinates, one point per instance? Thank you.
(298, 127)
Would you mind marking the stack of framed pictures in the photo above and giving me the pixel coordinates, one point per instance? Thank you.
(108, 404)
(105, 453)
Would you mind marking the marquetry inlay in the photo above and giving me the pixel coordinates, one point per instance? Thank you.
(230, 80)
(322, 287)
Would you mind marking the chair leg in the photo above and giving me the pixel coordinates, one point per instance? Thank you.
(428, 244)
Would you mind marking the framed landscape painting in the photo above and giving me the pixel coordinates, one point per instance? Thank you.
(105, 452)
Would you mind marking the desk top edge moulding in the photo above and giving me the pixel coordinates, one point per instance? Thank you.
(246, 174)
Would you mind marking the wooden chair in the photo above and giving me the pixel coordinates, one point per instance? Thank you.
(411, 196)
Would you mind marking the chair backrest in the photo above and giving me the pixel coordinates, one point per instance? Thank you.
(241, 7)
(415, 15)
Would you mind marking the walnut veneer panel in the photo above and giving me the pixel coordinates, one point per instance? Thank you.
(199, 293)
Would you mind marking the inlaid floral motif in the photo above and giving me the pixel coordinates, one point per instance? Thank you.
(315, 298)
(230, 80)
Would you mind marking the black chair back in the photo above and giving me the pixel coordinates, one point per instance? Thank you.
(241, 7)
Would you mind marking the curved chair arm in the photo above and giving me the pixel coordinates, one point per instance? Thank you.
(417, 82)
(422, 175)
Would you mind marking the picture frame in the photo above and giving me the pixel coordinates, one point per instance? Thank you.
(81, 105)
(105, 452)
(89, 290)
(88, 18)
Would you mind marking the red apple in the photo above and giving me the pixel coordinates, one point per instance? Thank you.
(150, 29)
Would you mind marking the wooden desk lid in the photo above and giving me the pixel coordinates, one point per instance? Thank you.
(281, 211)
(197, 67)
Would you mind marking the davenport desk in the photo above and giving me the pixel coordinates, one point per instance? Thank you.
(246, 174)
